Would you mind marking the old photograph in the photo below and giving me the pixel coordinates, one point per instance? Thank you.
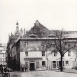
(38, 38)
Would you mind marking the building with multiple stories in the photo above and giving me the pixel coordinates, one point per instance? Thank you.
(27, 49)
(11, 48)
(3, 55)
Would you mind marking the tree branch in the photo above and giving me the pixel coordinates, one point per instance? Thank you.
(70, 48)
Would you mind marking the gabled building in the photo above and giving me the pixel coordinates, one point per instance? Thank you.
(29, 52)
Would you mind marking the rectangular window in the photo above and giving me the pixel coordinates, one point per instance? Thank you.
(54, 61)
(3, 55)
(43, 63)
(67, 62)
(3, 59)
(55, 53)
(43, 53)
(69, 53)
(26, 53)
(26, 43)
(0, 59)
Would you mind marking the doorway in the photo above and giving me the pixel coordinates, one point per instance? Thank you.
(54, 64)
(32, 66)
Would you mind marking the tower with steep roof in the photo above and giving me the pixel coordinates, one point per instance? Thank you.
(17, 33)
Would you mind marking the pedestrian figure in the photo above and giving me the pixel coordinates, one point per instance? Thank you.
(22, 69)
(5, 69)
(25, 69)
(1, 70)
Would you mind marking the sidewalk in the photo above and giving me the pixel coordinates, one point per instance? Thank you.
(70, 71)
(67, 71)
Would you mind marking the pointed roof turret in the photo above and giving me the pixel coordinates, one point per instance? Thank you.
(17, 33)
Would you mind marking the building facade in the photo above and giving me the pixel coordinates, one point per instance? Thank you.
(3, 55)
(28, 50)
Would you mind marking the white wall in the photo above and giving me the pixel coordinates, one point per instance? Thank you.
(31, 54)
(51, 57)
(71, 58)
(22, 56)
(35, 54)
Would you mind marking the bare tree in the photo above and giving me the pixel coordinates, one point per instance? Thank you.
(61, 43)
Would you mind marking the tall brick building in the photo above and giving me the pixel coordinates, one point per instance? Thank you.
(27, 50)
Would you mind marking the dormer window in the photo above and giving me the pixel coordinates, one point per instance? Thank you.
(33, 35)
(51, 35)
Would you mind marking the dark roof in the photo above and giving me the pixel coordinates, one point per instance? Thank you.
(38, 30)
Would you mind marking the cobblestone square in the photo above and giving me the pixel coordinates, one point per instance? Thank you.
(44, 74)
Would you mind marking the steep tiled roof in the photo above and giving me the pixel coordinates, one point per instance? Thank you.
(38, 30)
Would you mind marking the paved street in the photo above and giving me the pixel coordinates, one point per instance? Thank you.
(54, 73)
(44, 74)
(48, 74)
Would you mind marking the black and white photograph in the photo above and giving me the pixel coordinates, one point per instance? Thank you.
(38, 38)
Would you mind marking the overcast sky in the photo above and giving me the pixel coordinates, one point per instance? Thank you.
(53, 14)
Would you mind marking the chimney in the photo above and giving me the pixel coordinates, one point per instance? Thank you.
(37, 23)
